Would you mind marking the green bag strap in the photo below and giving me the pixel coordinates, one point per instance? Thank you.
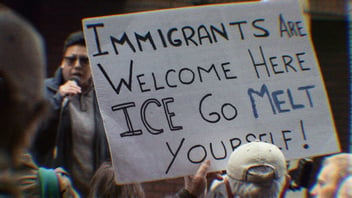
(49, 184)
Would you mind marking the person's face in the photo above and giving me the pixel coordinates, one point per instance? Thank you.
(326, 185)
(75, 63)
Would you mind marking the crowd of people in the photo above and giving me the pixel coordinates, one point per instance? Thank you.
(53, 142)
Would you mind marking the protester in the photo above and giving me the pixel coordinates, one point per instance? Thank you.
(22, 104)
(254, 170)
(73, 136)
(103, 185)
(334, 170)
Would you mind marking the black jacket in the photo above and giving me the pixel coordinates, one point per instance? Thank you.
(52, 145)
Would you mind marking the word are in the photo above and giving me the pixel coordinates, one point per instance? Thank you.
(291, 28)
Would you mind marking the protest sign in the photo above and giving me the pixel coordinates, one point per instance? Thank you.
(176, 87)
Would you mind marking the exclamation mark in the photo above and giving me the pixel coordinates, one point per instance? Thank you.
(305, 146)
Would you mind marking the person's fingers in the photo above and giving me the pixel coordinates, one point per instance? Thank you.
(196, 184)
(188, 180)
(203, 169)
(72, 84)
(219, 177)
(69, 88)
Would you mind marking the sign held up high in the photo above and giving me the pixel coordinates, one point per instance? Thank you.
(176, 87)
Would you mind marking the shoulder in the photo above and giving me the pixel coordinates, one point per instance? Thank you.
(53, 83)
(49, 81)
(55, 80)
(51, 86)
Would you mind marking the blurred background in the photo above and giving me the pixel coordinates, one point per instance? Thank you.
(328, 24)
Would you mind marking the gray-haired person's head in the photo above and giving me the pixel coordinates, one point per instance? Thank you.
(257, 170)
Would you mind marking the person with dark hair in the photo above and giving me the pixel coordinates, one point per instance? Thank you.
(21, 100)
(103, 184)
(22, 67)
(73, 135)
(22, 104)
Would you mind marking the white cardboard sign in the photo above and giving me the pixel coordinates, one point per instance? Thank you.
(178, 86)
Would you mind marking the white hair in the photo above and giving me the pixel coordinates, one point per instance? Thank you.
(271, 189)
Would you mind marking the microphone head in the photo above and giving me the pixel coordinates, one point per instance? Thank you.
(76, 79)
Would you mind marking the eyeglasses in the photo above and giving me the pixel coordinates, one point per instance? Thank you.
(70, 60)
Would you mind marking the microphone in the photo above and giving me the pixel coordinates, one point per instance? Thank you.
(67, 98)
(76, 79)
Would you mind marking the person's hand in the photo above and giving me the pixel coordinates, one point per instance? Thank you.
(197, 184)
(66, 188)
(69, 88)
